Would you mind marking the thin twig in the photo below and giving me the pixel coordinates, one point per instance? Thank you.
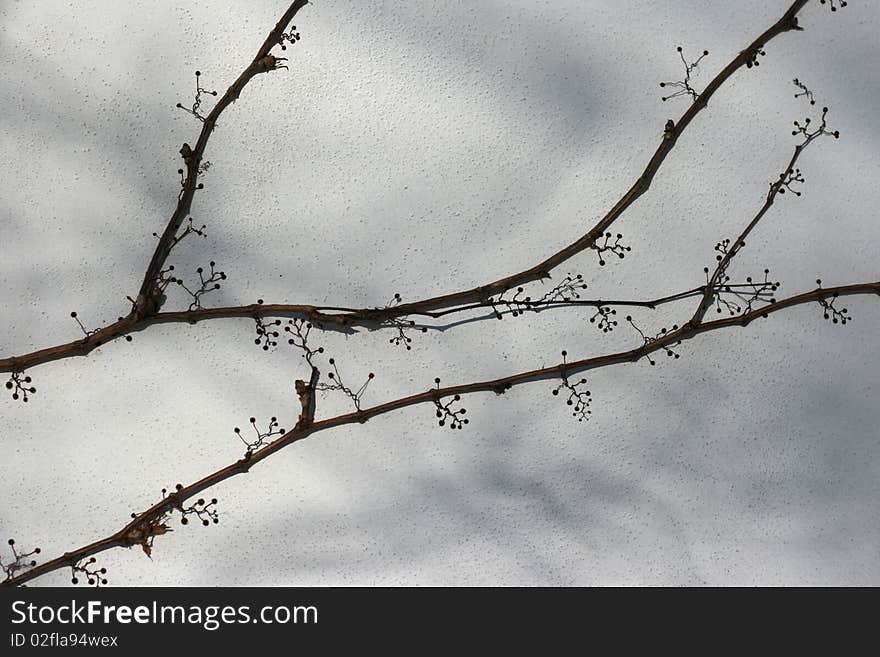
(193, 156)
(326, 316)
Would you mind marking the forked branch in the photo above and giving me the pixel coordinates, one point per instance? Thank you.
(308, 426)
(146, 307)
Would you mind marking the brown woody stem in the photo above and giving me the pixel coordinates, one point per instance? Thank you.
(144, 315)
(304, 429)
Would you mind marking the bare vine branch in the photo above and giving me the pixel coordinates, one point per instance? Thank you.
(146, 306)
(133, 533)
(744, 302)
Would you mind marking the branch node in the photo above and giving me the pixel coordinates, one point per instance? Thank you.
(306, 393)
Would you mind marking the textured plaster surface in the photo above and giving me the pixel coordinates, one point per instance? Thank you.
(420, 148)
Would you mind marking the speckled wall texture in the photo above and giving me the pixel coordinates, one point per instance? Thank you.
(421, 148)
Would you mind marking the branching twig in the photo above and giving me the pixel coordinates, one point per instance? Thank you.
(299, 330)
(615, 247)
(20, 561)
(728, 250)
(94, 576)
(336, 378)
(683, 87)
(578, 398)
(192, 157)
(20, 385)
(664, 341)
(831, 312)
(263, 437)
(649, 341)
(189, 229)
(197, 102)
(804, 91)
(445, 412)
(145, 309)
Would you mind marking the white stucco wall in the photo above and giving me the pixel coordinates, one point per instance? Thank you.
(420, 148)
